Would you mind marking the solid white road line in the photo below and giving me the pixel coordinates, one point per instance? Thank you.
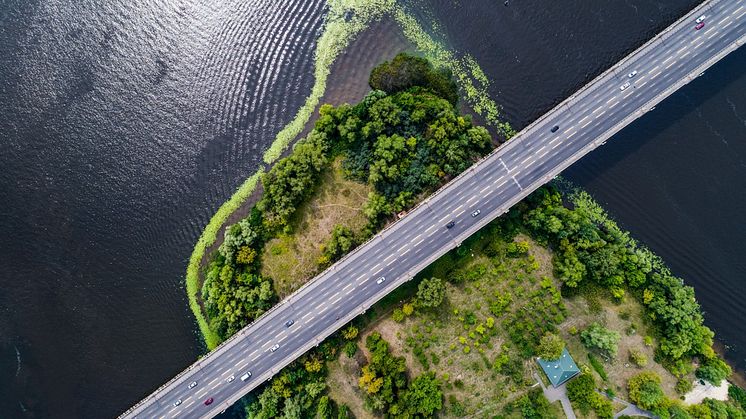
(641, 84)
(684, 55)
(712, 34)
(741, 15)
(731, 22)
(484, 189)
(573, 133)
(347, 287)
(586, 124)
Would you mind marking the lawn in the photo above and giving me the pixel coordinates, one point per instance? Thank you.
(291, 259)
(477, 340)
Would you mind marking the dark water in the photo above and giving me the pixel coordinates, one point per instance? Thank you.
(125, 124)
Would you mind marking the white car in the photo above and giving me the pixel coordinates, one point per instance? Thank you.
(632, 74)
(231, 378)
(700, 19)
(274, 347)
(246, 376)
(624, 86)
(177, 402)
(193, 384)
(475, 213)
(380, 280)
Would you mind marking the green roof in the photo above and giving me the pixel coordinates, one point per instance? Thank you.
(559, 370)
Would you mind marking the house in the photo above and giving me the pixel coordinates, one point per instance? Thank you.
(559, 370)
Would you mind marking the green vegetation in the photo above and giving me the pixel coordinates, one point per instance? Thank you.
(591, 249)
(402, 145)
(550, 346)
(384, 381)
(430, 293)
(406, 71)
(582, 393)
(645, 390)
(714, 370)
(598, 337)
(597, 366)
(212, 339)
(532, 405)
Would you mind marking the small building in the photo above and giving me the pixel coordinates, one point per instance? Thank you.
(559, 370)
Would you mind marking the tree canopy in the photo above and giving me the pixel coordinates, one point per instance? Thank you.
(550, 346)
(406, 71)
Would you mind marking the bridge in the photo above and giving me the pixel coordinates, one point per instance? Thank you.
(539, 152)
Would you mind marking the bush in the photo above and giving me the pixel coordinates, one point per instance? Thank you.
(598, 337)
(714, 370)
(580, 391)
(431, 292)
(683, 386)
(406, 71)
(645, 390)
(637, 357)
(550, 347)
(398, 315)
(598, 367)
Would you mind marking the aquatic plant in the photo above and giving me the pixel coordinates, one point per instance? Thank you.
(345, 20)
(206, 240)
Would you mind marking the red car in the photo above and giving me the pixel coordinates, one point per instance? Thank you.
(208, 401)
(700, 25)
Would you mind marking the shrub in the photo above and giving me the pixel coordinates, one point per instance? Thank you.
(406, 71)
(430, 292)
(598, 337)
(645, 390)
(714, 370)
(580, 391)
(598, 367)
(683, 386)
(638, 358)
(398, 315)
(550, 346)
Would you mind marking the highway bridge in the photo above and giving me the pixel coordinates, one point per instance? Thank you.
(538, 153)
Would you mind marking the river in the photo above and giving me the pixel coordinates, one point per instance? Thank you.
(126, 124)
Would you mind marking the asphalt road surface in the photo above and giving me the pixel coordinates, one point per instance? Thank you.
(510, 173)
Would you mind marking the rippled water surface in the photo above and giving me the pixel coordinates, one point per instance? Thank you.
(125, 124)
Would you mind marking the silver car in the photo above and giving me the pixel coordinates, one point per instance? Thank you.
(380, 280)
(700, 19)
(274, 347)
(632, 74)
(624, 86)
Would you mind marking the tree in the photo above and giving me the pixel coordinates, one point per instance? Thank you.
(645, 390)
(406, 71)
(714, 370)
(581, 390)
(338, 245)
(423, 397)
(350, 332)
(324, 408)
(550, 346)
(430, 292)
(596, 336)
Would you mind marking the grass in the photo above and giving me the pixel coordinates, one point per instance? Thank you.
(437, 336)
(206, 240)
(440, 337)
(291, 259)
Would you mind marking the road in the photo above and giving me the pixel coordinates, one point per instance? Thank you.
(493, 185)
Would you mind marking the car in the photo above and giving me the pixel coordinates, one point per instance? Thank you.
(231, 378)
(624, 86)
(208, 401)
(632, 74)
(450, 224)
(475, 213)
(177, 402)
(246, 376)
(700, 19)
(193, 384)
(274, 347)
(380, 280)
(700, 25)
(554, 128)
(289, 323)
